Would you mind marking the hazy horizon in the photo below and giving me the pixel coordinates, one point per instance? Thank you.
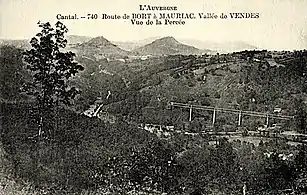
(181, 40)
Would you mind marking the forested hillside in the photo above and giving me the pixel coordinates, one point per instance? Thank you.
(228, 81)
(64, 151)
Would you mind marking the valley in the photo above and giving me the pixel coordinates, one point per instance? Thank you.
(161, 117)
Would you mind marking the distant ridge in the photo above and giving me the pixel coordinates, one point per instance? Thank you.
(100, 47)
(21, 43)
(224, 47)
(98, 42)
(25, 43)
(77, 39)
(167, 46)
(131, 45)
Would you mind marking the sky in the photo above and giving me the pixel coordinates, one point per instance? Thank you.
(282, 24)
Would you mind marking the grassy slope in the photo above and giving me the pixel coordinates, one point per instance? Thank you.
(9, 186)
(86, 143)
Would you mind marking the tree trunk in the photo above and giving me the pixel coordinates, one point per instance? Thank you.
(38, 153)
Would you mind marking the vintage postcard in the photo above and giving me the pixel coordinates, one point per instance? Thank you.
(153, 97)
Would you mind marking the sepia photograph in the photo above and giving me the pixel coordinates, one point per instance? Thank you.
(153, 97)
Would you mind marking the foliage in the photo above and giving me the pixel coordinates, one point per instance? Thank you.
(12, 73)
(263, 93)
(120, 158)
(51, 67)
(301, 115)
(86, 154)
